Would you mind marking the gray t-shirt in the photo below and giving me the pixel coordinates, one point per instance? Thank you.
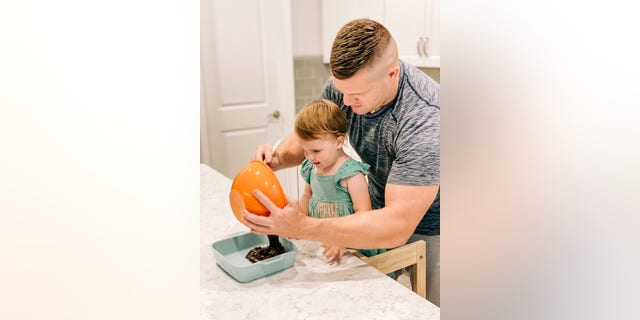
(401, 141)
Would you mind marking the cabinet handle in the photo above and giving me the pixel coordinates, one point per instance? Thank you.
(419, 47)
(424, 45)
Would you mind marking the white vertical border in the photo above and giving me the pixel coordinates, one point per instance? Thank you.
(99, 174)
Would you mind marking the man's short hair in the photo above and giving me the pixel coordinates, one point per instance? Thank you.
(357, 45)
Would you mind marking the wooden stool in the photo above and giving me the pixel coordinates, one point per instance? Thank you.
(410, 254)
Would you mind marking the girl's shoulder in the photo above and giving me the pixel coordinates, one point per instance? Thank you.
(306, 169)
(350, 168)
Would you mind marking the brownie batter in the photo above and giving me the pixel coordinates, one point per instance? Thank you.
(260, 253)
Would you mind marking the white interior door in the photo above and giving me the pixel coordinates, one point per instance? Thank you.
(247, 82)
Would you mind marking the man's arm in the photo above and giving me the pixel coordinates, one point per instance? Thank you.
(287, 154)
(388, 227)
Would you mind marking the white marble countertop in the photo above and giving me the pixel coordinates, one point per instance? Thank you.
(311, 289)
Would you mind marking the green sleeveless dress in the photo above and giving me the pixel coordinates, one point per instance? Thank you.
(329, 198)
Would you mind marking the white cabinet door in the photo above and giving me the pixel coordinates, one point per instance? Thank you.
(415, 24)
(246, 81)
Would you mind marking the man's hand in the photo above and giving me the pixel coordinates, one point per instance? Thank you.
(289, 222)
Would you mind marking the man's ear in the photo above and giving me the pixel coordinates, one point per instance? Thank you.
(394, 71)
(340, 142)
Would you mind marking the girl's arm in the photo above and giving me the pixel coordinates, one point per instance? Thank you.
(359, 192)
(304, 199)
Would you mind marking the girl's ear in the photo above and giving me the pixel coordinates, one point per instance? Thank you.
(340, 142)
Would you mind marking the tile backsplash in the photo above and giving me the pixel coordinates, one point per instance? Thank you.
(310, 75)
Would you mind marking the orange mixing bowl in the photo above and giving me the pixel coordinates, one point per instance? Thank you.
(255, 175)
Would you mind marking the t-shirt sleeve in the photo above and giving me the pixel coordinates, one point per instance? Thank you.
(329, 92)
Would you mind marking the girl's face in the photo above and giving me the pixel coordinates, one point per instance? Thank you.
(323, 152)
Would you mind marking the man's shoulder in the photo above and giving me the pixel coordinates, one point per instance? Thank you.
(416, 74)
(329, 87)
(418, 86)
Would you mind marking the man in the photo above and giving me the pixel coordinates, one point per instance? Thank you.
(393, 111)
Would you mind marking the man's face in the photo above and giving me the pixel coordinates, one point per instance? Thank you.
(364, 92)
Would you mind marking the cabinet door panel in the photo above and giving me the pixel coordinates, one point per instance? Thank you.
(415, 24)
(433, 30)
(406, 21)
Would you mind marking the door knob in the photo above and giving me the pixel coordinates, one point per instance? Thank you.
(276, 114)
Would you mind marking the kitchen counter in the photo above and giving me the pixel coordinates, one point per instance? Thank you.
(311, 289)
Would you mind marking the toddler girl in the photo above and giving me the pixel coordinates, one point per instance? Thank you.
(336, 184)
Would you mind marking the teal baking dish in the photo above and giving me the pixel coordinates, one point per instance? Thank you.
(230, 255)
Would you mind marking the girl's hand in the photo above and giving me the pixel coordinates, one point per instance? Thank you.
(267, 154)
(332, 253)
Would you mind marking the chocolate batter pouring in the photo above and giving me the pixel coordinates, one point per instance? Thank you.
(260, 253)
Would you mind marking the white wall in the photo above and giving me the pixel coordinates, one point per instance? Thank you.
(305, 21)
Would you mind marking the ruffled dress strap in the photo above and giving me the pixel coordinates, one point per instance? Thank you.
(305, 170)
(350, 168)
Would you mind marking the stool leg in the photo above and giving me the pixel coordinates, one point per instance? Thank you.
(419, 271)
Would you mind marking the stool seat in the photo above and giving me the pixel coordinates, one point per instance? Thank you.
(410, 254)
